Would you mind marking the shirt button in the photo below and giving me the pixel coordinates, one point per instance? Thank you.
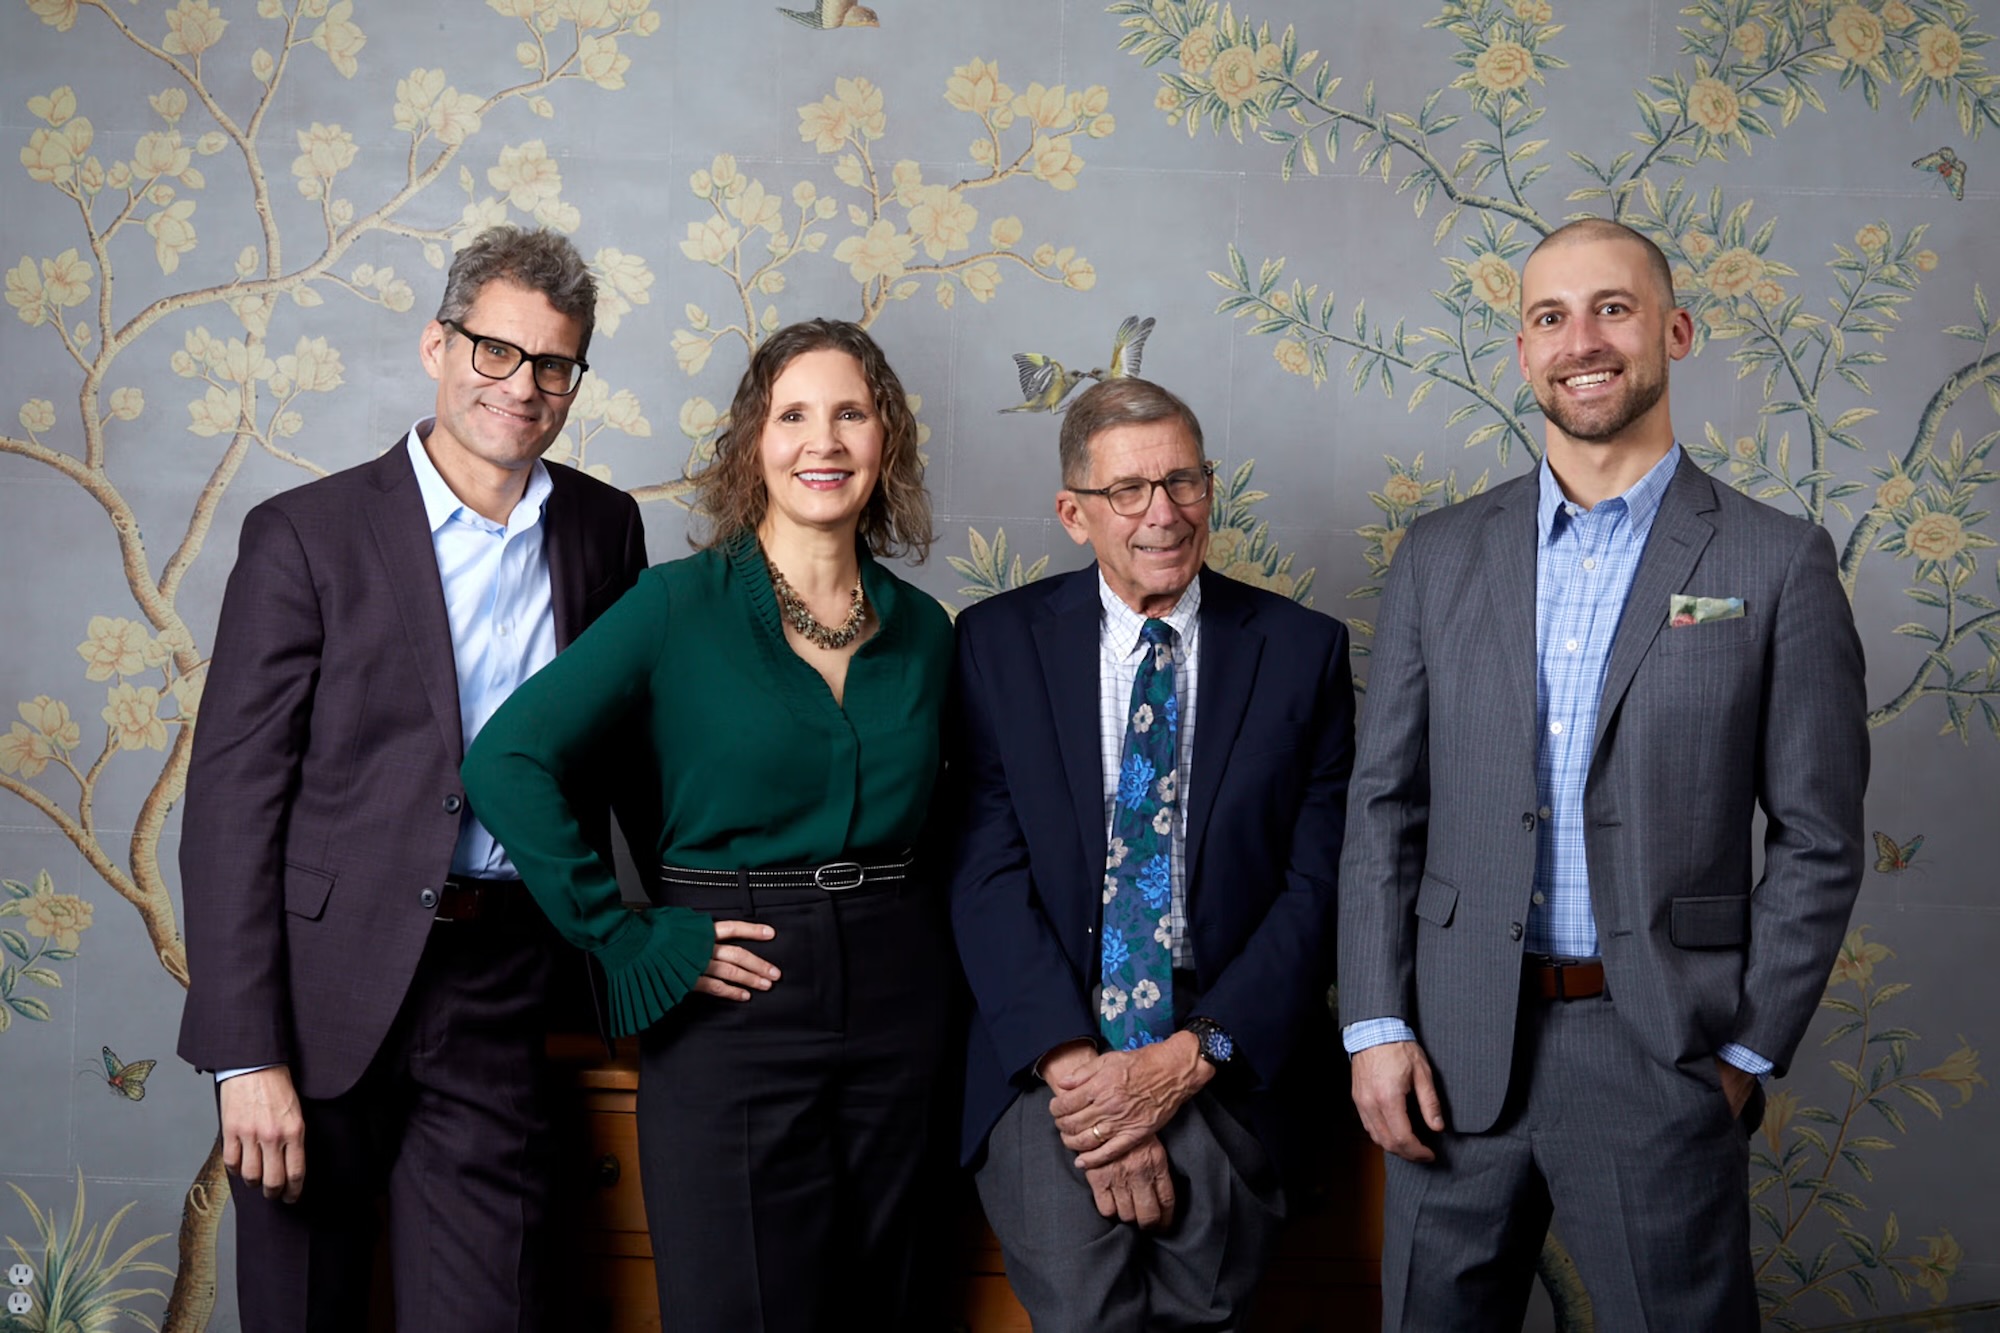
(501, 630)
(427, 899)
(1528, 823)
(1555, 728)
(1539, 898)
(1514, 930)
(1589, 564)
(1571, 646)
(453, 803)
(1546, 813)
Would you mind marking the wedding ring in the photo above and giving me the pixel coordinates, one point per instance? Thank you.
(1098, 1130)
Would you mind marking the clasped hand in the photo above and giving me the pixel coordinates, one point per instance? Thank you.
(1110, 1108)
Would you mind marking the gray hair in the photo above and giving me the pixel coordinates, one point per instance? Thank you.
(1125, 401)
(541, 260)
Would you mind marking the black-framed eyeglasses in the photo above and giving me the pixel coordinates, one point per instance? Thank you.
(556, 376)
(1134, 495)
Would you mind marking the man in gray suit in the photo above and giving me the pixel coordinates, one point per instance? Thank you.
(1584, 684)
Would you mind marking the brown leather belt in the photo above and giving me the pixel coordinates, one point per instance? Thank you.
(468, 899)
(1563, 978)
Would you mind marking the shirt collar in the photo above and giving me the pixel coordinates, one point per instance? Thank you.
(1642, 500)
(1122, 624)
(441, 504)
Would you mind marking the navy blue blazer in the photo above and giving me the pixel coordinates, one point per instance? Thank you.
(1266, 805)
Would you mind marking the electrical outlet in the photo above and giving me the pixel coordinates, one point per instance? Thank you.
(20, 1302)
(20, 1275)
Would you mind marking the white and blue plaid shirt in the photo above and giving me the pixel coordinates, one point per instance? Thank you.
(1585, 560)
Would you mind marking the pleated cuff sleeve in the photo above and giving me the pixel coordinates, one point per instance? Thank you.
(651, 961)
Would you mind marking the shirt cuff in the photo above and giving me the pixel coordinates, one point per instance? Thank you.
(1358, 1037)
(224, 1075)
(1745, 1059)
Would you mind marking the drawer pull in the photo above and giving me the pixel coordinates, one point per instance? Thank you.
(608, 1171)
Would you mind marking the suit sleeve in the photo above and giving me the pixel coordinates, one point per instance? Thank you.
(1263, 995)
(1388, 809)
(1812, 773)
(537, 747)
(1028, 998)
(250, 741)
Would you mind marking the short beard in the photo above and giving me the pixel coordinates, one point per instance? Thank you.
(1641, 401)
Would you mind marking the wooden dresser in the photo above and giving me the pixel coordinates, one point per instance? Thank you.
(1326, 1276)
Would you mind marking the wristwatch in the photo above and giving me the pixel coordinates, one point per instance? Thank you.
(1214, 1043)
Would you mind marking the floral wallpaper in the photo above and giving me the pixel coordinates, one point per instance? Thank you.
(230, 220)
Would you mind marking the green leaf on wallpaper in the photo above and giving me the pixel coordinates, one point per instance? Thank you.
(16, 889)
(27, 1006)
(16, 942)
(43, 976)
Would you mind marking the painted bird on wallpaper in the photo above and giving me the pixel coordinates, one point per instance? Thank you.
(1948, 165)
(1045, 382)
(834, 14)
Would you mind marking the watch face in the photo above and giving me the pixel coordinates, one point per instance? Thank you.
(1218, 1043)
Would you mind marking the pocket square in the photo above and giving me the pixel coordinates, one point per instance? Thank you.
(1683, 609)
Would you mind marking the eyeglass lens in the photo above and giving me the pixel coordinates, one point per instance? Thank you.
(496, 360)
(1183, 488)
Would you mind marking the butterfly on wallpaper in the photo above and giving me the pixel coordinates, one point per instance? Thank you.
(128, 1080)
(1948, 165)
(1893, 859)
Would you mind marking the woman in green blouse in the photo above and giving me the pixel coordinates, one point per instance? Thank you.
(792, 983)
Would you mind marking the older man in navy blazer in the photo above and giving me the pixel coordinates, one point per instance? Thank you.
(367, 977)
(1143, 736)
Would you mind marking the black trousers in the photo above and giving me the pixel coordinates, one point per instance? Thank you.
(451, 1121)
(786, 1143)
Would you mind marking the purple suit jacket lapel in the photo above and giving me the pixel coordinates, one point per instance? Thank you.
(403, 537)
(562, 539)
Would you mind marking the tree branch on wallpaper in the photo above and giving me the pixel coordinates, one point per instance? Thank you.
(252, 383)
(1748, 69)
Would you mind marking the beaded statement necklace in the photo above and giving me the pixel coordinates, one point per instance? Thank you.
(800, 617)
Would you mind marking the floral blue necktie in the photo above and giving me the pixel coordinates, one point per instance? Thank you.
(1135, 1003)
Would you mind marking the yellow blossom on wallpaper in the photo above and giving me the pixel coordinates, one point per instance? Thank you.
(1698, 245)
(1749, 39)
(1856, 34)
(25, 752)
(1926, 260)
(710, 241)
(622, 413)
(56, 108)
(58, 14)
(882, 252)
(823, 124)
(1166, 99)
(193, 27)
(976, 88)
(1713, 105)
(161, 153)
(1533, 11)
(1898, 15)
(1894, 492)
(1233, 75)
(1293, 356)
(601, 61)
(476, 217)
(51, 155)
(340, 38)
(754, 206)
(24, 292)
(1857, 958)
(1959, 1071)
(1503, 67)
(310, 367)
(1768, 292)
(942, 220)
(170, 104)
(414, 96)
(1938, 1265)
(1402, 490)
(1935, 536)
(66, 278)
(38, 415)
(1495, 282)
(982, 280)
(49, 719)
(133, 714)
(1198, 50)
(1734, 272)
(173, 235)
(115, 646)
(216, 412)
(623, 281)
(698, 418)
(1045, 108)
(127, 403)
(1872, 237)
(1055, 163)
(527, 175)
(690, 351)
(1079, 274)
(1004, 232)
(862, 101)
(324, 152)
(59, 918)
(1940, 53)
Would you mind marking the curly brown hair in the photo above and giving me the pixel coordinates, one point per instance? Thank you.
(730, 494)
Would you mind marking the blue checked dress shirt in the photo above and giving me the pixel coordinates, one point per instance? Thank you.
(498, 599)
(1585, 561)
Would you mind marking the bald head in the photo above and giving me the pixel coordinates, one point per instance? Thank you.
(1585, 230)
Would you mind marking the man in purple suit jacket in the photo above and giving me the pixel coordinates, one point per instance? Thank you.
(367, 974)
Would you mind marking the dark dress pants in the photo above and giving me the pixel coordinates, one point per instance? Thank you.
(1642, 1165)
(787, 1142)
(451, 1120)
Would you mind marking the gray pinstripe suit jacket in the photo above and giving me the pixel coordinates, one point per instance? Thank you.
(1698, 727)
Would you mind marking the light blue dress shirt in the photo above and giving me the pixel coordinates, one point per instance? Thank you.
(1585, 560)
(498, 600)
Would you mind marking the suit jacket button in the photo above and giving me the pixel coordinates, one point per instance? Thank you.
(1513, 928)
(1528, 822)
(429, 899)
(453, 803)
